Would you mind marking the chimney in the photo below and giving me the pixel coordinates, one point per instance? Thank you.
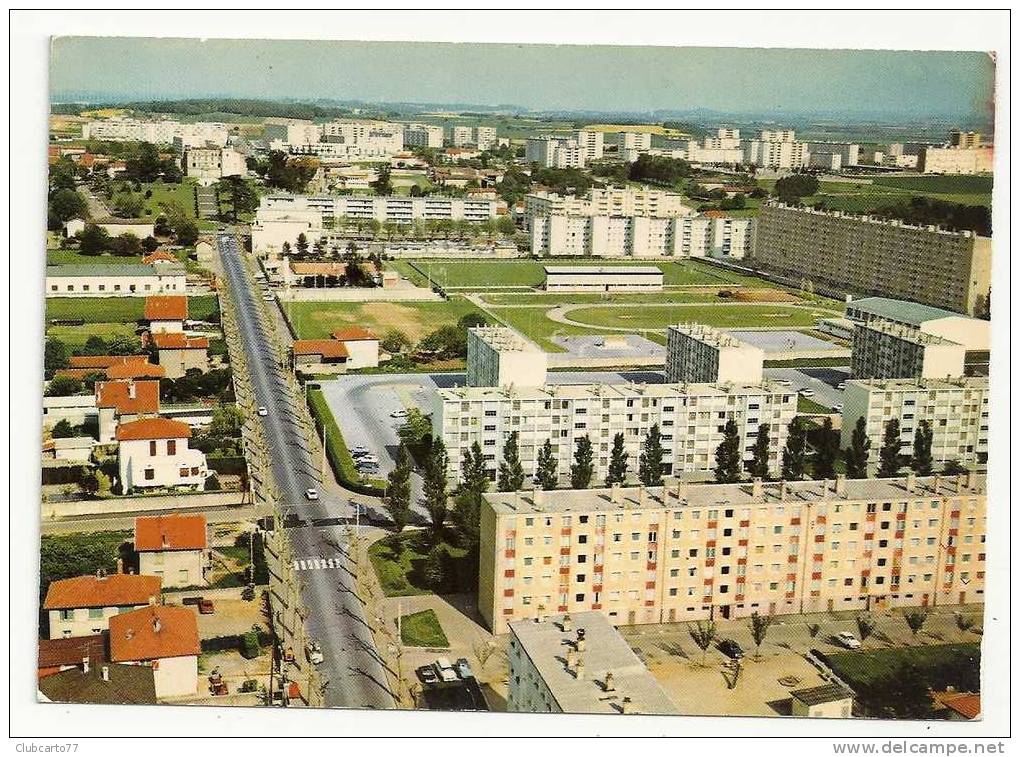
(614, 493)
(166, 541)
(609, 684)
(106, 672)
(757, 488)
(627, 706)
(567, 624)
(784, 490)
(100, 575)
(840, 484)
(571, 658)
(641, 495)
(132, 392)
(911, 482)
(85, 665)
(581, 642)
(538, 497)
(156, 625)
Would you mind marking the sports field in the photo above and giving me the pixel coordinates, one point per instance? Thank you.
(724, 316)
(317, 320)
(551, 299)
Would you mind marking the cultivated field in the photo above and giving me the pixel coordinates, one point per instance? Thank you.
(873, 193)
(316, 320)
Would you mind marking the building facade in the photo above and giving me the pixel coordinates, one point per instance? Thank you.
(956, 160)
(591, 278)
(163, 637)
(500, 357)
(864, 255)
(208, 164)
(423, 135)
(701, 354)
(156, 132)
(550, 152)
(114, 280)
(690, 552)
(83, 606)
(154, 452)
(382, 209)
(173, 548)
(889, 350)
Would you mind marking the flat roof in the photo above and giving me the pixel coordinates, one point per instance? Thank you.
(829, 692)
(634, 270)
(611, 391)
(684, 494)
(504, 339)
(711, 336)
(922, 384)
(547, 644)
(904, 311)
(906, 333)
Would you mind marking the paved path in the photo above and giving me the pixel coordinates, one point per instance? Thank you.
(122, 521)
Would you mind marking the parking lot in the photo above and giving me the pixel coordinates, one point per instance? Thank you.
(821, 382)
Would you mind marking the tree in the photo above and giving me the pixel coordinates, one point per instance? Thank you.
(617, 472)
(62, 429)
(56, 355)
(145, 164)
(227, 420)
(382, 184)
(954, 468)
(93, 240)
(416, 433)
(434, 487)
(128, 205)
(794, 455)
(240, 195)
(828, 450)
(511, 473)
(915, 618)
(791, 189)
(545, 474)
(398, 490)
(66, 204)
(395, 341)
(889, 461)
(727, 455)
(865, 625)
(759, 627)
(760, 459)
(902, 693)
(126, 245)
(857, 456)
(963, 622)
(650, 461)
(301, 246)
(583, 469)
(702, 634)
(95, 483)
(434, 569)
(921, 462)
(474, 483)
(64, 386)
(471, 320)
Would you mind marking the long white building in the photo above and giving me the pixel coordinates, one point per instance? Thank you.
(702, 354)
(114, 280)
(384, 209)
(691, 418)
(551, 152)
(956, 409)
(162, 132)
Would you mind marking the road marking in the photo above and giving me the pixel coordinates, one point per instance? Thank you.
(317, 563)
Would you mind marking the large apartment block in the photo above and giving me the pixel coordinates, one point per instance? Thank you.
(956, 409)
(956, 160)
(366, 137)
(691, 418)
(592, 143)
(882, 349)
(550, 152)
(702, 354)
(633, 140)
(777, 149)
(695, 551)
(500, 357)
(162, 132)
(864, 255)
(382, 209)
(423, 135)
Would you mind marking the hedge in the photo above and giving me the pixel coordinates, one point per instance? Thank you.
(340, 459)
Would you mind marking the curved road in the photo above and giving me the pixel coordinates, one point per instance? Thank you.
(352, 671)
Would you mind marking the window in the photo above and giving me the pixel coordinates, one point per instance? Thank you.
(152, 449)
(149, 474)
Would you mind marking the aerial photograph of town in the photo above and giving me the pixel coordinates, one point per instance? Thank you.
(517, 399)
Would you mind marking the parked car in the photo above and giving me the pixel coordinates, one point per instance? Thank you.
(263, 412)
(311, 494)
(359, 449)
(464, 669)
(206, 607)
(848, 640)
(398, 414)
(315, 653)
(837, 408)
(267, 297)
(841, 385)
(427, 674)
(445, 670)
(192, 601)
(783, 382)
(731, 649)
(807, 392)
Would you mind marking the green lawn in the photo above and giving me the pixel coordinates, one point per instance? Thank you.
(863, 197)
(723, 316)
(317, 320)
(422, 629)
(73, 257)
(549, 300)
(399, 561)
(112, 310)
(807, 406)
(182, 194)
(76, 336)
(862, 667)
(532, 323)
(339, 456)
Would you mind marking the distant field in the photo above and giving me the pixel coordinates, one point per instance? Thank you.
(76, 336)
(724, 316)
(316, 320)
(862, 197)
(114, 310)
(73, 257)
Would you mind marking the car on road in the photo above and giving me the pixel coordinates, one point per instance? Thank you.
(267, 297)
(731, 649)
(315, 653)
(445, 670)
(464, 669)
(398, 414)
(807, 392)
(262, 411)
(366, 460)
(847, 639)
(841, 385)
(783, 382)
(427, 674)
(359, 449)
(311, 494)
(206, 607)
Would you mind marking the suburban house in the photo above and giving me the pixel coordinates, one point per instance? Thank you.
(114, 227)
(319, 356)
(80, 366)
(830, 700)
(76, 449)
(204, 251)
(83, 606)
(164, 638)
(113, 280)
(154, 452)
(123, 401)
(173, 547)
(160, 256)
(177, 353)
(166, 312)
(68, 652)
(362, 346)
(76, 409)
(91, 683)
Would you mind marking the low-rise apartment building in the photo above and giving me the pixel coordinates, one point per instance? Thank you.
(701, 354)
(955, 409)
(593, 278)
(882, 349)
(154, 453)
(499, 356)
(578, 663)
(956, 160)
(162, 132)
(861, 255)
(695, 551)
(691, 418)
(382, 209)
(172, 547)
(113, 280)
(83, 606)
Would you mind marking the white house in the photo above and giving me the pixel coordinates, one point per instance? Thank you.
(172, 547)
(165, 638)
(362, 346)
(154, 452)
(83, 606)
(113, 227)
(76, 409)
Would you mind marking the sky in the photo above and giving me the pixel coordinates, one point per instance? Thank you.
(538, 77)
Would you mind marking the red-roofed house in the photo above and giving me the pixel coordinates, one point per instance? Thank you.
(69, 652)
(164, 637)
(166, 312)
(319, 356)
(80, 366)
(173, 547)
(160, 256)
(154, 452)
(123, 401)
(178, 354)
(83, 606)
(362, 346)
(957, 705)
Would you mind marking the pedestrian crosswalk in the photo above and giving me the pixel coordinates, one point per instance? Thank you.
(317, 563)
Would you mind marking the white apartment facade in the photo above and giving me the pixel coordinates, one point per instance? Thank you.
(592, 142)
(156, 132)
(113, 280)
(882, 349)
(690, 417)
(701, 354)
(776, 154)
(849, 152)
(369, 137)
(550, 152)
(956, 409)
(382, 209)
(633, 140)
(208, 164)
(500, 357)
(423, 135)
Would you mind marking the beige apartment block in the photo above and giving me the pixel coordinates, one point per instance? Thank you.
(889, 350)
(956, 160)
(862, 255)
(500, 357)
(579, 663)
(956, 409)
(695, 551)
(703, 354)
(691, 418)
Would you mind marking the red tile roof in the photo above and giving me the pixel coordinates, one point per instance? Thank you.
(157, 256)
(318, 269)
(324, 347)
(967, 705)
(153, 428)
(54, 653)
(354, 334)
(117, 590)
(169, 307)
(169, 533)
(117, 394)
(175, 340)
(135, 371)
(104, 361)
(153, 633)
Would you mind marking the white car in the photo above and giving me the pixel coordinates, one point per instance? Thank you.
(848, 640)
(807, 392)
(783, 382)
(837, 408)
(262, 411)
(398, 414)
(311, 494)
(445, 670)
(315, 653)
(267, 297)
(841, 385)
